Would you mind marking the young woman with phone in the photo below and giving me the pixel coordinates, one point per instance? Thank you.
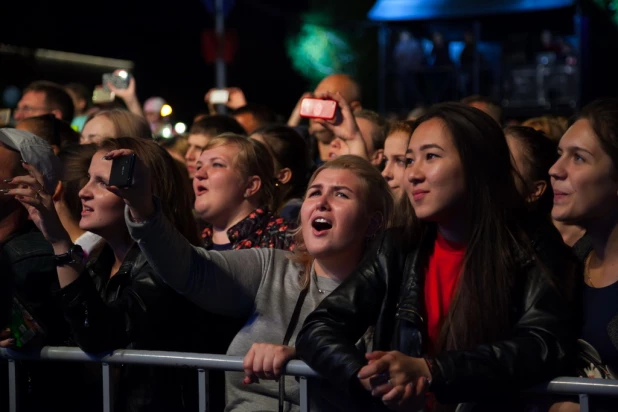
(466, 302)
(116, 301)
(346, 205)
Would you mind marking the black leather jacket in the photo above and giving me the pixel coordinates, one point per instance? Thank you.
(135, 310)
(387, 291)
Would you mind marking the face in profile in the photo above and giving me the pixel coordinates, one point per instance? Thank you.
(584, 178)
(197, 142)
(434, 176)
(102, 211)
(334, 216)
(395, 148)
(97, 129)
(218, 184)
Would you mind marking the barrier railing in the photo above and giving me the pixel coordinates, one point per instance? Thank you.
(204, 362)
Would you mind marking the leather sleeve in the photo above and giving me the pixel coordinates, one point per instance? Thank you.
(539, 349)
(328, 337)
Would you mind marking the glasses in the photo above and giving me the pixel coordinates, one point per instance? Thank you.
(29, 109)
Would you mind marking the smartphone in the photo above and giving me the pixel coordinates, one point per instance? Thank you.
(318, 108)
(102, 95)
(5, 117)
(119, 80)
(220, 96)
(122, 171)
(24, 327)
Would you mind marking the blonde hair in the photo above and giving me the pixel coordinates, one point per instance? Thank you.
(126, 124)
(253, 159)
(553, 127)
(376, 196)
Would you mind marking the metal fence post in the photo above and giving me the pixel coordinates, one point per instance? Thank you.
(584, 403)
(108, 401)
(304, 394)
(13, 401)
(203, 383)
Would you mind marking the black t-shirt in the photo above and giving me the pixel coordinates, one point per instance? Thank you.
(600, 312)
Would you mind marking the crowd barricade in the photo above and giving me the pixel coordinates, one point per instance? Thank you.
(584, 388)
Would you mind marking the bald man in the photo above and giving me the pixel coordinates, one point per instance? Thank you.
(335, 83)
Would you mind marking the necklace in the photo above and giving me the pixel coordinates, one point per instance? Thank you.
(317, 285)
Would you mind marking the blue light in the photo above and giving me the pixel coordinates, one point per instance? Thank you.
(390, 10)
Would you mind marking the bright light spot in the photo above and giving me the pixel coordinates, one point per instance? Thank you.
(180, 128)
(166, 110)
(123, 74)
(166, 132)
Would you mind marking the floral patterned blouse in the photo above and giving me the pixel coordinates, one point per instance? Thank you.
(260, 229)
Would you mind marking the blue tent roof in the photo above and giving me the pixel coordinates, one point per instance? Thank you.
(390, 10)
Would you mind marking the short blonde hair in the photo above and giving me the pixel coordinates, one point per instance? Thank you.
(376, 196)
(253, 159)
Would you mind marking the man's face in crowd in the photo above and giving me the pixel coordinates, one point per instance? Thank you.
(31, 104)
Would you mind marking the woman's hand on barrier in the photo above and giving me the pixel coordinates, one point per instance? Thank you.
(6, 339)
(395, 377)
(30, 191)
(266, 361)
(138, 196)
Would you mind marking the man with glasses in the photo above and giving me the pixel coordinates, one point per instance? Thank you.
(44, 97)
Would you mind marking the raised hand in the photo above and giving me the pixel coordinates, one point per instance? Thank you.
(294, 119)
(266, 361)
(128, 95)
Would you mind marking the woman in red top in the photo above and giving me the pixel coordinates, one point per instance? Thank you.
(464, 302)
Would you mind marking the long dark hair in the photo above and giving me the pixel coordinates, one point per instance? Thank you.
(540, 153)
(479, 311)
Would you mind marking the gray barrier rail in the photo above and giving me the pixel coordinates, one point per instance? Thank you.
(585, 388)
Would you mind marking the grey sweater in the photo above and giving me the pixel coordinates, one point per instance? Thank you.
(262, 284)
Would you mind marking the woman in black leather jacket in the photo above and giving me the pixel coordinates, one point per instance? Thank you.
(116, 301)
(473, 302)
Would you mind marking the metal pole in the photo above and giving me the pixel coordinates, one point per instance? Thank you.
(584, 403)
(202, 382)
(108, 401)
(304, 394)
(220, 79)
(382, 64)
(13, 401)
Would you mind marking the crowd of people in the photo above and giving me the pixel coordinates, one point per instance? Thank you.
(440, 262)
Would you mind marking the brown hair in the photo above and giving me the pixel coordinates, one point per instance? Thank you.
(55, 131)
(125, 123)
(603, 117)
(379, 135)
(75, 164)
(551, 126)
(377, 197)
(56, 98)
(168, 182)
(252, 159)
(405, 126)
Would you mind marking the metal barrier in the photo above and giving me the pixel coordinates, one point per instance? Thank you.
(204, 362)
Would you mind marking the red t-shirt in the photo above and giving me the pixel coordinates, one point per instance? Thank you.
(443, 270)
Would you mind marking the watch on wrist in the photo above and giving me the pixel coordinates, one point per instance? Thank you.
(74, 255)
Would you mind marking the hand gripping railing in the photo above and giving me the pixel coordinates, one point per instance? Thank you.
(201, 362)
(204, 362)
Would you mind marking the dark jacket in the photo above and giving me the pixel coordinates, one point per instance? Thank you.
(387, 291)
(135, 310)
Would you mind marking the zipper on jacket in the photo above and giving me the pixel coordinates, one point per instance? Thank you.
(414, 312)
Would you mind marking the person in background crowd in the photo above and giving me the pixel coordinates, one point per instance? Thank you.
(254, 116)
(486, 105)
(533, 154)
(585, 186)
(291, 162)
(112, 124)
(82, 102)
(234, 187)
(43, 97)
(395, 147)
(553, 127)
(321, 137)
(57, 133)
(176, 146)
(152, 112)
(416, 113)
(115, 301)
(347, 204)
(75, 164)
(436, 327)
(202, 131)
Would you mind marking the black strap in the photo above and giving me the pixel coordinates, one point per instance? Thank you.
(288, 336)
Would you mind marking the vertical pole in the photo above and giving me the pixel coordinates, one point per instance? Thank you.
(13, 401)
(304, 394)
(203, 383)
(108, 401)
(584, 403)
(220, 79)
(382, 64)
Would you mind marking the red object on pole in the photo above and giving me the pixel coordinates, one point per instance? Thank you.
(209, 45)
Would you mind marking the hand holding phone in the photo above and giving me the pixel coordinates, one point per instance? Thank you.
(219, 96)
(312, 108)
(119, 79)
(102, 94)
(122, 171)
